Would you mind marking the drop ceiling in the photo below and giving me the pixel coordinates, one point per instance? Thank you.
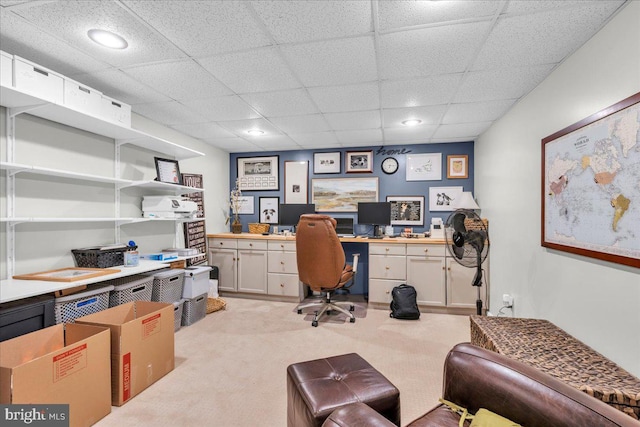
(309, 74)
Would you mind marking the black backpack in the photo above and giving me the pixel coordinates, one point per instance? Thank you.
(403, 303)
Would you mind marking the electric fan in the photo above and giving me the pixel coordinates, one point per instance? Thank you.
(467, 239)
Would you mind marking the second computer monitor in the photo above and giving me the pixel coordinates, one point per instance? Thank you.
(289, 214)
(376, 214)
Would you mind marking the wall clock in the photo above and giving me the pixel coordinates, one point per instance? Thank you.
(389, 165)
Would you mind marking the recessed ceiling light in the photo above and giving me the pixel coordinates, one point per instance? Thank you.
(412, 122)
(108, 39)
(255, 132)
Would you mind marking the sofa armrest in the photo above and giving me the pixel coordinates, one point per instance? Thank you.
(476, 378)
(356, 415)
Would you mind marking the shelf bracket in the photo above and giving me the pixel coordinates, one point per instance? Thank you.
(15, 111)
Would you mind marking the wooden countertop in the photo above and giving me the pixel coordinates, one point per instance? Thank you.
(386, 240)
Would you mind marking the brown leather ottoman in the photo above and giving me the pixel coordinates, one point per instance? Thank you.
(316, 387)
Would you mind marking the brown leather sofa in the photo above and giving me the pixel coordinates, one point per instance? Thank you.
(476, 378)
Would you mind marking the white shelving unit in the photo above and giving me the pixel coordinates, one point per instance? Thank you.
(17, 102)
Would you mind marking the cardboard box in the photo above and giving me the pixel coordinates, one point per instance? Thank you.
(142, 345)
(62, 364)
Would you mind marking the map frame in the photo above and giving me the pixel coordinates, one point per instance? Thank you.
(574, 128)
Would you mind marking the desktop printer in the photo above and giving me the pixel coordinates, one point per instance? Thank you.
(168, 207)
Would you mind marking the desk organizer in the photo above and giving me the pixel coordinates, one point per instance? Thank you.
(167, 285)
(69, 308)
(194, 309)
(131, 288)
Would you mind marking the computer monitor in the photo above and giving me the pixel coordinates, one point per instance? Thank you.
(289, 214)
(344, 226)
(376, 214)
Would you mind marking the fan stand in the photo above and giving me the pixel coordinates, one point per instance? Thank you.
(477, 282)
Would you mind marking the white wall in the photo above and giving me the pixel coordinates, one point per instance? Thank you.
(595, 301)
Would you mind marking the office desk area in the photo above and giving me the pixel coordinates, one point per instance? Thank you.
(265, 267)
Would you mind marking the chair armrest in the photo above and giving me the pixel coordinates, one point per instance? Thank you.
(356, 257)
(356, 415)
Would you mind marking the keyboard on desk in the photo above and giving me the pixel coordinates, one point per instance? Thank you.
(346, 235)
(375, 237)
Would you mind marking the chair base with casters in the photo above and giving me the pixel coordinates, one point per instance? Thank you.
(327, 306)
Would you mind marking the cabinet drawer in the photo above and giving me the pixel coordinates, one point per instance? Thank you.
(37, 80)
(224, 243)
(387, 249)
(431, 250)
(284, 246)
(283, 284)
(387, 267)
(380, 290)
(259, 245)
(82, 98)
(6, 69)
(282, 262)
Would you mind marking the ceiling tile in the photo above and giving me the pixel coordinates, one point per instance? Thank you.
(428, 115)
(182, 81)
(118, 85)
(507, 83)
(354, 120)
(318, 139)
(528, 6)
(71, 20)
(429, 51)
(203, 130)
(477, 111)
(233, 145)
(418, 92)
(465, 130)
(301, 124)
(335, 99)
(223, 108)
(334, 62)
(541, 38)
(396, 14)
(258, 70)
(275, 143)
(301, 21)
(240, 128)
(414, 134)
(202, 28)
(370, 136)
(39, 47)
(281, 103)
(169, 113)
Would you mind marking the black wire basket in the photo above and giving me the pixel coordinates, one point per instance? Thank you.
(100, 258)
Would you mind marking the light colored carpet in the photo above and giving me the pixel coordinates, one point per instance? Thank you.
(231, 366)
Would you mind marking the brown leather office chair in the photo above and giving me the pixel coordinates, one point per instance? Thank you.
(321, 263)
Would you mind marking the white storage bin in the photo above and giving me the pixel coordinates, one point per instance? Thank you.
(37, 81)
(6, 69)
(82, 98)
(196, 281)
(115, 111)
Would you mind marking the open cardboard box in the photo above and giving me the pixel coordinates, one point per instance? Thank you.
(142, 345)
(61, 364)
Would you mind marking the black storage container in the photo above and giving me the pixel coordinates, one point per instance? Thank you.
(214, 272)
(26, 315)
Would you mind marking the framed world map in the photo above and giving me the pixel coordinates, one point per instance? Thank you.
(591, 185)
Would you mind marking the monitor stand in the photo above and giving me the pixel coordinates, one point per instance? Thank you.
(378, 231)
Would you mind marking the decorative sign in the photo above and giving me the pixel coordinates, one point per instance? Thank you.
(194, 232)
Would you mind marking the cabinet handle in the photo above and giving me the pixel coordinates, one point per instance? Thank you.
(234, 259)
(386, 249)
(220, 243)
(282, 262)
(387, 292)
(251, 244)
(448, 268)
(426, 250)
(443, 268)
(282, 285)
(282, 246)
(386, 268)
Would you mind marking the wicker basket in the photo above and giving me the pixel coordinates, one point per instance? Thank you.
(258, 228)
(215, 304)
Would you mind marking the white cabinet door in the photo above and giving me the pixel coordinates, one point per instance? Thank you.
(427, 275)
(252, 271)
(225, 260)
(387, 267)
(460, 292)
(380, 290)
(286, 285)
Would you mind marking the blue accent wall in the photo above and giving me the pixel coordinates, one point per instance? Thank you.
(389, 185)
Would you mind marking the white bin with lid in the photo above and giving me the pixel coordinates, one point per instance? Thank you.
(196, 281)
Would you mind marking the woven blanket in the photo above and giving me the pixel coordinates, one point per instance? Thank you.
(543, 345)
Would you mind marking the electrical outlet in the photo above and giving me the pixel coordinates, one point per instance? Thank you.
(507, 300)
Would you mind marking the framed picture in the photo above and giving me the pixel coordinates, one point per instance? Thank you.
(441, 198)
(326, 162)
(343, 194)
(296, 181)
(590, 186)
(407, 210)
(359, 161)
(258, 173)
(70, 274)
(245, 205)
(424, 167)
(457, 166)
(168, 171)
(269, 209)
